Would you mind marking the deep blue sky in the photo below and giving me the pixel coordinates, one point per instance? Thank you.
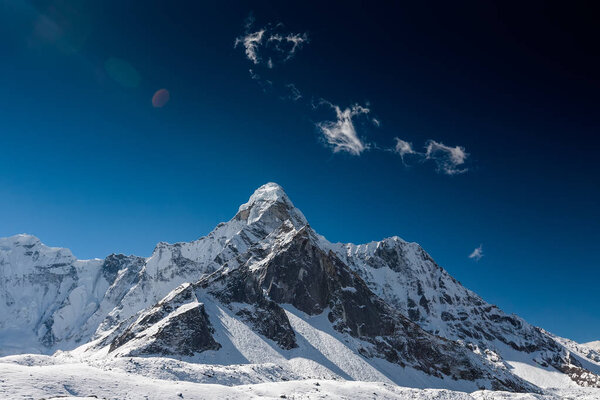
(87, 162)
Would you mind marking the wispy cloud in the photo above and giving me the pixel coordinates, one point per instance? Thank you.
(294, 94)
(251, 43)
(269, 45)
(403, 148)
(448, 159)
(477, 254)
(288, 44)
(341, 134)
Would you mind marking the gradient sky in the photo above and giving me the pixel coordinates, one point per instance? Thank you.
(88, 162)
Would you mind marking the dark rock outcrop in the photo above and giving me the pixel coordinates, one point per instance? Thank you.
(177, 325)
(299, 272)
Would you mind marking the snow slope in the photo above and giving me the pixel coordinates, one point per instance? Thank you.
(593, 345)
(32, 376)
(264, 298)
(45, 294)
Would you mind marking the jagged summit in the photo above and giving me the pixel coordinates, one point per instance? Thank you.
(270, 204)
(269, 192)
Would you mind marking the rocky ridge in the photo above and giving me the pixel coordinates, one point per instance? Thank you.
(389, 300)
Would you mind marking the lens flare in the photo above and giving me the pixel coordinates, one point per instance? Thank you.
(160, 98)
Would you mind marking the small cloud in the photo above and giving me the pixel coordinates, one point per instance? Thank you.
(289, 43)
(448, 159)
(403, 148)
(251, 42)
(341, 134)
(477, 254)
(294, 94)
(269, 45)
(376, 122)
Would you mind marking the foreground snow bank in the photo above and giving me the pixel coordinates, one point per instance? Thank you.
(36, 377)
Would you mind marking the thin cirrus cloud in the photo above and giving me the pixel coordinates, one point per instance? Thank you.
(269, 45)
(403, 148)
(449, 160)
(251, 43)
(288, 44)
(477, 254)
(341, 134)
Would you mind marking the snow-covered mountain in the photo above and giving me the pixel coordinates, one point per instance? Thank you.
(595, 345)
(265, 291)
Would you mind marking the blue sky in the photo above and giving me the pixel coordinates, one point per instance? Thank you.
(499, 105)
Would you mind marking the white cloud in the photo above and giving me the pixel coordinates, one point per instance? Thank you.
(477, 254)
(272, 45)
(269, 45)
(294, 41)
(251, 42)
(341, 134)
(403, 148)
(448, 159)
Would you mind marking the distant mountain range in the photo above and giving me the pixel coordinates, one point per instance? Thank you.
(265, 291)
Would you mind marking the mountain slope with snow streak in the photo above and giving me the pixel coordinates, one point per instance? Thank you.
(264, 291)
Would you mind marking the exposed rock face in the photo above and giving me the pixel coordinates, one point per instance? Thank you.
(300, 273)
(404, 275)
(389, 299)
(177, 325)
(262, 313)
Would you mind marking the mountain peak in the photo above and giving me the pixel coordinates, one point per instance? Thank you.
(269, 192)
(270, 202)
(22, 239)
